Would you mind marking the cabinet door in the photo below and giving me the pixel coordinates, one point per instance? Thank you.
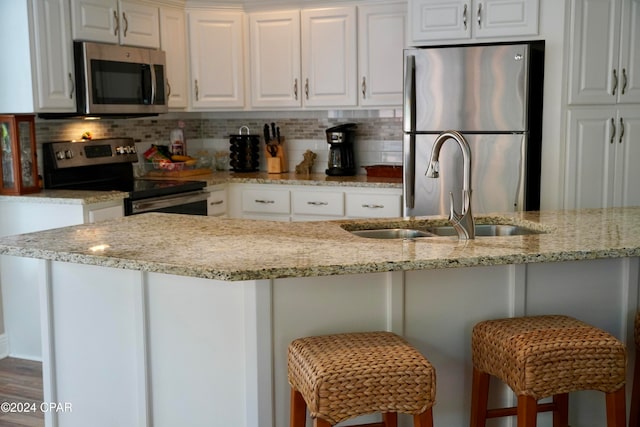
(381, 38)
(590, 158)
(329, 57)
(495, 18)
(173, 40)
(594, 46)
(627, 154)
(54, 88)
(432, 20)
(215, 49)
(139, 25)
(275, 59)
(95, 20)
(629, 91)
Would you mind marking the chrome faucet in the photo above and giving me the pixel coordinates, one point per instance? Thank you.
(463, 222)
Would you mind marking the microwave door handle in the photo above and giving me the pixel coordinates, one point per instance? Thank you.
(153, 84)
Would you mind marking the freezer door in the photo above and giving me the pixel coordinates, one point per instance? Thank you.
(497, 174)
(473, 88)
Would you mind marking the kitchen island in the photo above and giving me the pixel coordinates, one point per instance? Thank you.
(177, 320)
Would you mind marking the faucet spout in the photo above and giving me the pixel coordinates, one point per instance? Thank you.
(463, 222)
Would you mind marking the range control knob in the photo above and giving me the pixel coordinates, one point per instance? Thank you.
(68, 154)
(60, 155)
(120, 150)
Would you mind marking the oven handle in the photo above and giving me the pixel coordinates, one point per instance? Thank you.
(155, 203)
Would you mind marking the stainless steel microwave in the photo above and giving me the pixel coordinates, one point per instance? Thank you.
(113, 80)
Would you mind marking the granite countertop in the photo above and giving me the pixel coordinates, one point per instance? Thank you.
(236, 249)
(214, 178)
(291, 178)
(67, 197)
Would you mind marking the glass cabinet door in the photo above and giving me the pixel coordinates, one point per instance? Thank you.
(18, 155)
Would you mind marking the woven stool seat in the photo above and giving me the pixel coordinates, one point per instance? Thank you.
(347, 375)
(543, 356)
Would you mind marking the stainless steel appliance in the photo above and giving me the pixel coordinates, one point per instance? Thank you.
(119, 80)
(341, 157)
(107, 164)
(492, 95)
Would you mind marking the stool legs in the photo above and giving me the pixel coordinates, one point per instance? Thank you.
(616, 410)
(528, 408)
(479, 398)
(424, 419)
(298, 409)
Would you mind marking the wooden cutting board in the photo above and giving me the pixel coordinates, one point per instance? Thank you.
(178, 174)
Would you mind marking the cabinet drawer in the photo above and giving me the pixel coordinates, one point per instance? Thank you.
(318, 203)
(266, 201)
(217, 203)
(374, 205)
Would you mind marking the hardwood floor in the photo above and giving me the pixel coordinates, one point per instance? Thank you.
(20, 386)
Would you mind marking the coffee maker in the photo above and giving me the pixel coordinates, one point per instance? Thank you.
(341, 157)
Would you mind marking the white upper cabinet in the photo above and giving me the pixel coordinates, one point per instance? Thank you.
(304, 58)
(38, 74)
(441, 20)
(216, 56)
(54, 88)
(329, 57)
(113, 21)
(275, 59)
(173, 42)
(381, 39)
(605, 54)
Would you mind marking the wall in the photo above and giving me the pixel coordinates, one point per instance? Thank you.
(378, 139)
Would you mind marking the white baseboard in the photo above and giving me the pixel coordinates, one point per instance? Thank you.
(4, 346)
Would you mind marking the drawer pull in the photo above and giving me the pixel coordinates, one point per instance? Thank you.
(217, 202)
(370, 206)
(318, 203)
(264, 202)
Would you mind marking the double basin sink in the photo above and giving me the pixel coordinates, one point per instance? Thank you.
(382, 231)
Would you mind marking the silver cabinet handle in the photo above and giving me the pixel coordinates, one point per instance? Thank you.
(168, 89)
(306, 88)
(621, 130)
(364, 87)
(197, 91)
(464, 16)
(217, 202)
(264, 202)
(615, 82)
(126, 23)
(613, 131)
(624, 80)
(372, 206)
(479, 15)
(117, 21)
(295, 88)
(318, 203)
(73, 86)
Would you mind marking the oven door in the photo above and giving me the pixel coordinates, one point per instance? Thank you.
(191, 203)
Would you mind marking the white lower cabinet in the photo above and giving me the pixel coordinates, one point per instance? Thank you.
(19, 276)
(278, 202)
(602, 147)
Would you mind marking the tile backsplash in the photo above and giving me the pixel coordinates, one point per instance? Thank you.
(378, 139)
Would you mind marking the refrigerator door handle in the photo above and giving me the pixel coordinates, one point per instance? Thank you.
(409, 181)
(409, 114)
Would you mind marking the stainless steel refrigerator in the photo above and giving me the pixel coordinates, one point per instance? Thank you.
(492, 94)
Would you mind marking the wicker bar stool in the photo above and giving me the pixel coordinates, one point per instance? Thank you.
(342, 376)
(634, 413)
(543, 356)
